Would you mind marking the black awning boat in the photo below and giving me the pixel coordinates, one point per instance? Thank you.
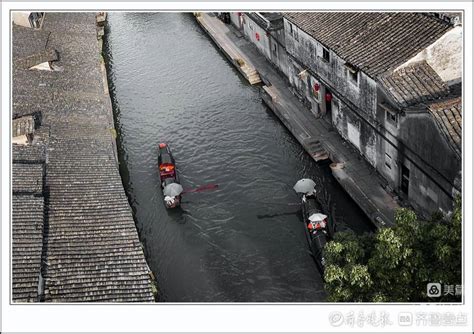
(168, 177)
(316, 227)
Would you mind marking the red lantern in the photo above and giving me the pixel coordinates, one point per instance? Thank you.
(328, 97)
(257, 36)
(239, 14)
(316, 87)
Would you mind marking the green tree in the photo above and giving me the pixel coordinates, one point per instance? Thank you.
(395, 264)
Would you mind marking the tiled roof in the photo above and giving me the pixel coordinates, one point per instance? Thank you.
(448, 115)
(372, 41)
(93, 252)
(27, 174)
(34, 153)
(36, 58)
(27, 243)
(27, 178)
(413, 84)
(33, 41)
(27, 102)
(28, 206)
(93, 246)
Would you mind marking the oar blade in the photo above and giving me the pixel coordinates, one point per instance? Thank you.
(201, 188)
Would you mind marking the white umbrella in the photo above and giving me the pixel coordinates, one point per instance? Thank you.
(316, 217)
(173, 189)
(304, 186)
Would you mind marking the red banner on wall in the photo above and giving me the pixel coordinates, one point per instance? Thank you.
(316, 87)
(328, 97)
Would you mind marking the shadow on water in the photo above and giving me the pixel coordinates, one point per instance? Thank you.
(237, 243)
(280, 214)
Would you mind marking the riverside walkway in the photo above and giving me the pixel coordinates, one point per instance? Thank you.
(73, 234)
(316, 135)
(240, 60)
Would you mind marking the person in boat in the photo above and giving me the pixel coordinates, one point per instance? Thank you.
(314, 226)
(311, 194)
(171, 201)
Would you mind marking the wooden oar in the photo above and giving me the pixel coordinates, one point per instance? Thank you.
(201, 188)
(280, 204)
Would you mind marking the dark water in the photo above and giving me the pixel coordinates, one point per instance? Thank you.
(244, 241)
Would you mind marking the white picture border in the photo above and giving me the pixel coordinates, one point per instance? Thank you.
(299, 317)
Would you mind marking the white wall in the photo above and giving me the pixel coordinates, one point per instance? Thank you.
(444, 55)
(251, 29)
(353, 134)
(309, 52)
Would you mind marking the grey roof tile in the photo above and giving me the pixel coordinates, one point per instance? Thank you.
(372, 41)
(39, 57)
(29, 153)
(32, 41)
(27, 242)
(27, 178)
(414, 84)
(448, 115)
(93, 251)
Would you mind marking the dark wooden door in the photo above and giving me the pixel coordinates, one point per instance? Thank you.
(405, 181)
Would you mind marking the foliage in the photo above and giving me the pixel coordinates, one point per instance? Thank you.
(395, 264)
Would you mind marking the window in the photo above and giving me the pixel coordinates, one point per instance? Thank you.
(390, 114)
(391, 117)
(291, 28)
(326, 55)
(352, 74)
(274, 49)
(354, 77)
(388, 161)
(405, 182)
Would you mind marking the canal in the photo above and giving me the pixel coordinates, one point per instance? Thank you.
(244, 241)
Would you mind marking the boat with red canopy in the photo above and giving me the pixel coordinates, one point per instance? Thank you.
(169, 177)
